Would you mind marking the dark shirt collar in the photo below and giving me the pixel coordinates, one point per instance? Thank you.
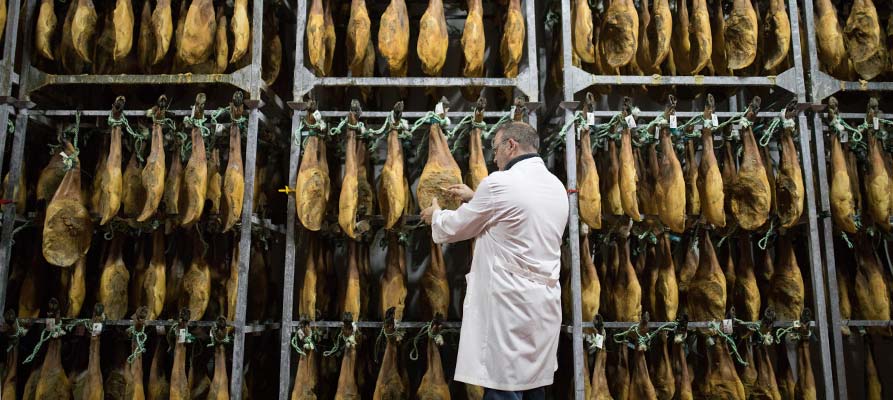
(518, 159)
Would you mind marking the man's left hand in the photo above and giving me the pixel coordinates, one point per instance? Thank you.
(428, 213)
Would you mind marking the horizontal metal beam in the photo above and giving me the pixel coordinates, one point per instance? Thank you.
(38, 79)
(374, 324)
(824, 85)
(866, 323)
(410, 114)
(578, 80)
(657, 324)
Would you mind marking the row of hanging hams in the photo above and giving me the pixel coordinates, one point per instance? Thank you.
(121, 375)
(357, 202)
(206, 39)
(681, 37)
(394, 34)
(653, 181)
(852, 41)
(699, 282)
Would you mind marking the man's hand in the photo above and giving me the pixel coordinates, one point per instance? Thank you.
(428, 213)
(461, 191)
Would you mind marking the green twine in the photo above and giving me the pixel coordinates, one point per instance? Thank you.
(49, 333)
(10, 126)
(755, 328)
(343, 342)
(846, 239)
(301, 341)
(226, 338)
(429, 118)
(139, 338)
(86, 323)
(359, 127)
(14, 338)
(714, 328)
(68, 160)
(305, 128)
(643, 342)
(765, 240)
(426, 330)
(197, 123)
(789, 331)
(114, 122)
(383, 334)
(486, 133)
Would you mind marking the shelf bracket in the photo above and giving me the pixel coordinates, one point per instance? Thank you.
(823, 86)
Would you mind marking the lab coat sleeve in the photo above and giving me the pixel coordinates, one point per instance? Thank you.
(466, 222)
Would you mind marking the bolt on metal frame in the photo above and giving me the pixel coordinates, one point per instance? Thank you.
(792, 80)
(304, 83)
(32, 79)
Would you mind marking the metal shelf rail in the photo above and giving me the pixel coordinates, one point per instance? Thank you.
(527, 80)
(32, 79)
(792, 80)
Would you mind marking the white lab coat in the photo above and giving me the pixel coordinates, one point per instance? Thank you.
(512, 313)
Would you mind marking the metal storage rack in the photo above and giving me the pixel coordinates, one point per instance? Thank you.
(31, 79)
(792, 80)
(823, 86)
(305, 81)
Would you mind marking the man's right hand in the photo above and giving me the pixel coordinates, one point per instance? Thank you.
(461, 191)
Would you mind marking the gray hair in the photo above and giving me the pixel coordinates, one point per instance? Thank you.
(522, 133)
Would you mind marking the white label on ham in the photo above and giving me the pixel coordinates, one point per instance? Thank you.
(97, 328)
(844, 137)
(727, 326)
(673, 121)
(877, 123)
(715, 120)
(590, 119)
(438, 109)
(630, 121)
(317, 116)
(181, 336)
(599, 341)
(657, 132)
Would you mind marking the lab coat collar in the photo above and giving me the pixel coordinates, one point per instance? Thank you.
(519, 159)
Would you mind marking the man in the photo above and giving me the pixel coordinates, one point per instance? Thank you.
(512, 311)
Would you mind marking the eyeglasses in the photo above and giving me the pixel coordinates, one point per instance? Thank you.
(496, 147)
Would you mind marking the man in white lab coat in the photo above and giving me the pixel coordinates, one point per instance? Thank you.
(512, 311)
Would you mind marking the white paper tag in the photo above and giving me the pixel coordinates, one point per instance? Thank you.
(727, 326)
(218, 129)
(317, 116)
(630, 121)
(159, 329)
(844, 137)
(97, 328)
(673, 121)
(438, 109)
(181, 336)
(657, 133)
(599, 341)
(877, 123)
(590, 119)
(715, 120)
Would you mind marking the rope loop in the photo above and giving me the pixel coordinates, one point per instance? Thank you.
(139, 338)
(48, 333)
